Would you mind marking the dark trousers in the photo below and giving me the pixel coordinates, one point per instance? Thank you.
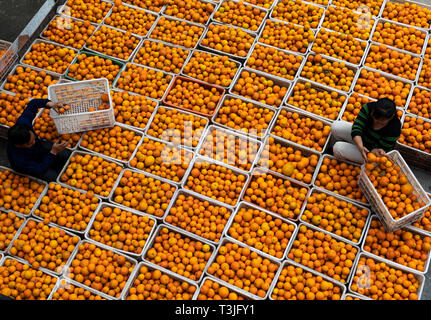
(60, 160)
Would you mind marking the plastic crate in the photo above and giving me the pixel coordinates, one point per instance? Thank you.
(8, 58)
(92, 54)
(186, 193)
(419, 277)
(377, 203)
(81, 96)
(305, 269)
(209, 145)
(206, 85)
(415, 232)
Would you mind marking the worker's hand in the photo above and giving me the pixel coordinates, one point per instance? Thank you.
(57, 147)
(379, 152)
(55, 105)
(364, 151)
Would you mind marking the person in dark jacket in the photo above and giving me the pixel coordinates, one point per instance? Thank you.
(30, 155)
(376, 129)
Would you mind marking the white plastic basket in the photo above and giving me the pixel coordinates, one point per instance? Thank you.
(377, 203)
(81, 96)
(8, 58)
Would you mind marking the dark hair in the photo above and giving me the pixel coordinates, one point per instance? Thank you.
(383, 109)
(19, 134)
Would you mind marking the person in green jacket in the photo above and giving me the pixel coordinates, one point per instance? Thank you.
(376, 129)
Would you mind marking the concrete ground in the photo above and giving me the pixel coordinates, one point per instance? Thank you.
(17, 13)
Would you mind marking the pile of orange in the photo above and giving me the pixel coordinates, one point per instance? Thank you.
(66, 207)
(244, 116)
(216, 182)
(143, 81)
(228, 39)
(194, 96)
(339, 217)
(89, 10)
(179, 253)
(262, 231)
(89, 67)
(372, 6)
(240, 15)
(137, 191)
(402, 246)
(295, 283)
(288, 160)
(153, 284)
(287, 36)
(211, 68)
(174, 126)
(162, 160)
(266, 4)
(116, 142)
(424, 79)
(49, 57)
(275, 62)
(392, 185)
(133, 110)
(112, 42)
(177, 32)
(320, 101)
(212, 290)
(11, 107)
(341, 178)
(276, 194)
(18, 193)
(45, 128)
(298, 12)
(323, 253)
(375, 85)
(401, 37)
(121, 229)
(191, 10)
(103, 270)
(349, 22)
(155, 5)
(130, 19)
(21, 282)
(2, 52)
(69, 32)
(260, 88)
(330, 73)
(425, 222)
(339, 45)
(199, 217)
(91, 173)
(9, 225)
(416, 133)
(380, 281)
(420, 103)
(243, 268)
(403, 65)
(44, 246)
(230, 148)
(301, 129)
(161, 56)
(353, 106)
(427, 54)
(29, 83)
(70, 292)
(408, 13)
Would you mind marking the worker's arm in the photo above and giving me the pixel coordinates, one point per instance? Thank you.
(31, 110)
(33, 107)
